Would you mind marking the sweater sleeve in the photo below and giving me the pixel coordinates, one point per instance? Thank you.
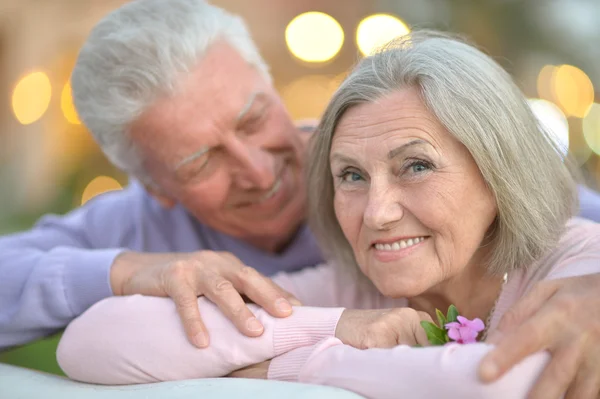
(405, 372)
(55, 271)
(138, 339)
(318, 286)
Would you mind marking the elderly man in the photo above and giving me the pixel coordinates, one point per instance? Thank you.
(177, 95)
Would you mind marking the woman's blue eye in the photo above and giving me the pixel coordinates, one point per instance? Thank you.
(419, 167)
(352, 176)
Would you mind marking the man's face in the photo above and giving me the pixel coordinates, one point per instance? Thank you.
(226, 149)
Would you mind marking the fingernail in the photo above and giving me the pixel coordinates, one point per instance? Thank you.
(294, 302)
(488, 371)
(201, 340)
(254, 325)
(283, 305)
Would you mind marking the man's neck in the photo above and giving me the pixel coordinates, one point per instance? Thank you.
(274, 245)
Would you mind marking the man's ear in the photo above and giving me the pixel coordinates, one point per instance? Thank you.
(164, 200)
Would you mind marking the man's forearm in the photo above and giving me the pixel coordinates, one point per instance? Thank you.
(41, 291)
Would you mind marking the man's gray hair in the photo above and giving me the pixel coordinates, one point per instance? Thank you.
(136, 54)
(478, 103)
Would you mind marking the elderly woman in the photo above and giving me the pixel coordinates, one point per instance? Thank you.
(431, 184)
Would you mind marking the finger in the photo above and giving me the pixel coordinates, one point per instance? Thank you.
(555, 379)
(223, 294)
(514, 346)
(186, 303)
(264, 292)
(585, 386)
(523, 310)
(420, 335)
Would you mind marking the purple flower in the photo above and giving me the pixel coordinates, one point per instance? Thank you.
(464, 331)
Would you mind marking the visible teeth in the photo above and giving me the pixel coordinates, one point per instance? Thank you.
(395, 246)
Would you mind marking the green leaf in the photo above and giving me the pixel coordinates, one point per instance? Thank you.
(452, 314)
(435, 335)
(441, 318)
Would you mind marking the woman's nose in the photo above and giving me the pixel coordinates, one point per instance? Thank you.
(383, 209)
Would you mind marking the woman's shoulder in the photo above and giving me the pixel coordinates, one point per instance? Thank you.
(576, 253)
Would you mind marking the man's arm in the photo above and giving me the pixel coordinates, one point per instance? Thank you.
(562, 315)
(589, 204)
(54, 272)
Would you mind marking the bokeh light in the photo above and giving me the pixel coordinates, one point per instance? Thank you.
(307, 96)
(31, 97)
(553, 119)
(66, 104)
(579, 150)
(544, 83)
(99, 185)
(573, 90)
(314, 37)
(591, 128)
(376, 30)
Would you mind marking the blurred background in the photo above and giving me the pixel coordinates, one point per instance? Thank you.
(49, 162)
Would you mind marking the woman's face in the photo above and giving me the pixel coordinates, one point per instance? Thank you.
(408, 196)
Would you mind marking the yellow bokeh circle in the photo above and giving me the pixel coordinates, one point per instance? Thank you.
(376, 30)
(66, 104)
(99, 185)
(314, 37)
(31, 97)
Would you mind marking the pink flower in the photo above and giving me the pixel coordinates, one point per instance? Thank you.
(464, 331)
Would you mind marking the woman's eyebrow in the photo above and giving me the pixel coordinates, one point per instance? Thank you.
(399, 150)
(338, 157)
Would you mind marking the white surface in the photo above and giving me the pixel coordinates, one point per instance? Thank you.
(20, 383)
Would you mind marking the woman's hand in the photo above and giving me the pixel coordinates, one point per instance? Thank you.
(382, 328)
(258, 371)
(563, 317)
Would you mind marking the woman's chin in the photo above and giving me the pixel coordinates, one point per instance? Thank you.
(397, 287)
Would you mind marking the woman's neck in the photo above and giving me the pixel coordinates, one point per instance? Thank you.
(474, 293)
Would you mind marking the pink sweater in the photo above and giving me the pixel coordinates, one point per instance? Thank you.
(137, 339)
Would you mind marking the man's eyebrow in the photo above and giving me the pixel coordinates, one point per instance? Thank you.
(192, 157)
(256, 95)
(399, 150)
(247, 107)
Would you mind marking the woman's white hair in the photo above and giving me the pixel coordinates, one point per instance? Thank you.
(136, 54)
(478, 103)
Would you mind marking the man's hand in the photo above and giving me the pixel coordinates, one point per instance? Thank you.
(382, 328)
(563, 317)
(258, 371)
(219, 276)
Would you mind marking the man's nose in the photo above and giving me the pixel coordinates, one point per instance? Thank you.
(254, 167)
(383, 208)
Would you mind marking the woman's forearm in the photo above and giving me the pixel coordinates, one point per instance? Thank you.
(138, 339)
(403, 371)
